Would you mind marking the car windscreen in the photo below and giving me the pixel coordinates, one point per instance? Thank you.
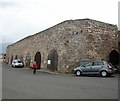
(14, 62)
(19, 62)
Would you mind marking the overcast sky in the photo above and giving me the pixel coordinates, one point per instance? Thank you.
(20, 18)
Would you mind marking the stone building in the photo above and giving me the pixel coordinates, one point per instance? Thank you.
(119, 41)
(65, 45)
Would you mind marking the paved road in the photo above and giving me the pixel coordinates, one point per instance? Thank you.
(0, 79)
(22, 84)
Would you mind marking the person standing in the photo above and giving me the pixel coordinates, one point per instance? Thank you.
(34, 67)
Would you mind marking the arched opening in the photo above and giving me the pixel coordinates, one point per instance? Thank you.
(16, 57)
(114, 57)
(21, 58)
(28, 60)
(52, 60)
(38, 59)
(11, 59)
(8, 60)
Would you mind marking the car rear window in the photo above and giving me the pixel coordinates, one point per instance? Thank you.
(108, 63)
(98, 63)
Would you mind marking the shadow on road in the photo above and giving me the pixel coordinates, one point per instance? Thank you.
(111, 76)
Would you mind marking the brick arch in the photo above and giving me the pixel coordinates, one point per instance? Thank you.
(114, 57)
(52, 60)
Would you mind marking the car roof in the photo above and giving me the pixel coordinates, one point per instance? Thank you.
(97, 61)
(94, 61)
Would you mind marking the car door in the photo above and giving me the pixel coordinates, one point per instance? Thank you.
(97, 66)
(86, 67)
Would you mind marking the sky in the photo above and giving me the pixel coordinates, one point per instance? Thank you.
(21, 18)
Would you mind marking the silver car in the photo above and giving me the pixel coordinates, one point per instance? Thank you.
(102, 68)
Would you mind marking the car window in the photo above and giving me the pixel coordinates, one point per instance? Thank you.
(87, 64)
(97, 63)
(19, 61)
(108, 63)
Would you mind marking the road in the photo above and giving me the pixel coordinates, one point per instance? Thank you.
(20, 83)
(1, 78)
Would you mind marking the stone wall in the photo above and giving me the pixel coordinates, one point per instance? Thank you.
(119, 41)
(119, 46)
(74, 41)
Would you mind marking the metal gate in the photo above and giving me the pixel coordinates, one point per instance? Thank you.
(28, 60)
(52, 60)
(38, 59)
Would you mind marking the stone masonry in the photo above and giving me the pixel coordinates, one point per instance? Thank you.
(73, 40)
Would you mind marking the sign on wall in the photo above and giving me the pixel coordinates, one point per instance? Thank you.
(49, 61)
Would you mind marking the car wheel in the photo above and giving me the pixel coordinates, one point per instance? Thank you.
(104, 73)
(14, 66)
(78, 73)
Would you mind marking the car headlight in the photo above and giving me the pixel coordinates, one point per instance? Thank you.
(75, 69)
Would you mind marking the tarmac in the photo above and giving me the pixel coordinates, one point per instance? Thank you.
(1, 79)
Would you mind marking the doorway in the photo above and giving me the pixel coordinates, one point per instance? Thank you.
(16, 57)
(21, 58)
(38, 59)
(11, 59)
(28, 60)
(114, 57)
(52, 60)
